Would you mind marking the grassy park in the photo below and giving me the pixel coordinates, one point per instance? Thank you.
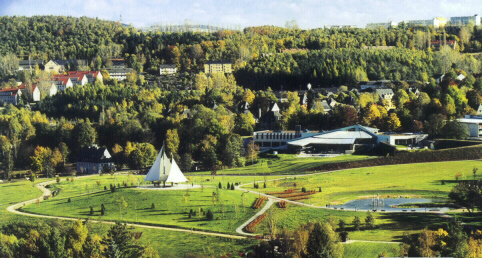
(421, 179)
(231, 208)
(287, 164)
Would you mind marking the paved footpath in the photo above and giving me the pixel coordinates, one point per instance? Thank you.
(46, 192)
(239, 230)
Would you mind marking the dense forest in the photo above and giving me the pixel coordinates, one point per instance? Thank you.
(202, 122)
(322, 57)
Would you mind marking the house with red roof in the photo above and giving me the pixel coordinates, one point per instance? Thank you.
(10, 96)
(79, 77)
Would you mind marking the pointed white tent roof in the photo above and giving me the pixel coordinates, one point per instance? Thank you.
(175, 175)
(163, 170)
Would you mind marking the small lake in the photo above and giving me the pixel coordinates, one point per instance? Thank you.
(384, 205)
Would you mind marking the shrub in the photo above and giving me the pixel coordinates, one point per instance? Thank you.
(209, 215)
(319, 189)
(91, 211)
(69, 200)
(154, 206)
(232, 186)
(220, 185)
(303, 189)
(105, 187)
(264, 185)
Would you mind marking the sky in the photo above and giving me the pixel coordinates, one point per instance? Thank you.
(233, 13)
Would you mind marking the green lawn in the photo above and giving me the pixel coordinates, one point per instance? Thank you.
(287, 164)
(389, 226)
(171, 207)
(370, 250)
(422, 179)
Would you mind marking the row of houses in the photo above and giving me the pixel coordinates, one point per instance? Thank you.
(436, 22)
(59, 82)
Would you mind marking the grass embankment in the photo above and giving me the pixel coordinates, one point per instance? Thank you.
(288, 164)
(421, 179)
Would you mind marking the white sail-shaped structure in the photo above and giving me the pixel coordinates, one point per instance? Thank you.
(164, 171)
(175, 174)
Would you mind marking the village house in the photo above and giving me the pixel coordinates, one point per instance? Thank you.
(93, 160)
(59, 65)
(29, 64)
(10, 96)
(167, 69)
(217, 67)
(119, 74)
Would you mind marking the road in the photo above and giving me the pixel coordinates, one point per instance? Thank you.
(239, 230)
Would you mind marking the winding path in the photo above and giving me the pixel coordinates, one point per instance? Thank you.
(46, 192)
(239, 230)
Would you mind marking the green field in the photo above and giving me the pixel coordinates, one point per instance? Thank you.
(287, 164)
(422, 179)
(171, 208)
(370, 250)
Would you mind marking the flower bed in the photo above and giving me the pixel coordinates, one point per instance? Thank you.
(250, 227)
(300, 198)
(259, 202)
(291, 190)
(282, 204)
(296, 194)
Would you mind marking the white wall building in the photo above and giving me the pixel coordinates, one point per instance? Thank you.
(474, 124)
(167, 69)
(466, 20)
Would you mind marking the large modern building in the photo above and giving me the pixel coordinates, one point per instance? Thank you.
(466, 20)
(382, 25)
(436, 22)
(474, 124)
(217, 67)
(277, 138)
(342, 141)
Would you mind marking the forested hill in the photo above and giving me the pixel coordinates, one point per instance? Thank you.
(263, 57)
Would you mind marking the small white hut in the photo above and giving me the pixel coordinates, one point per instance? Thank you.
(165, 170)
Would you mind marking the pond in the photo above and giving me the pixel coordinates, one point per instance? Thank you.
(387, 205)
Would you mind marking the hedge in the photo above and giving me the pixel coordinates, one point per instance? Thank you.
(463, 153)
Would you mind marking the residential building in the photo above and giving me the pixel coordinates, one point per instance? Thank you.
(59, 65)
(63, 83)
(166, 69)
(118, 63)
(29, 64)
(474, 124)
(93, 160)
(466, 20)
(119, 74)
(80, 77)
(460, 77)
(10, 96)
(436, 44)
(479, 110)
(373, 84)
(328, 105)
(386, 97)
(217, 67)
(340, 26)
(35, 91)
(414, 90)
(439, 77)
(382, 25)
(268, 121)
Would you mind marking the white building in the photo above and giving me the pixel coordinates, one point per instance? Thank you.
(474, 124)
(167, 69)
(382, 25)
(93, 160)
(119, 74)
(466, 20)
(436, 22)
